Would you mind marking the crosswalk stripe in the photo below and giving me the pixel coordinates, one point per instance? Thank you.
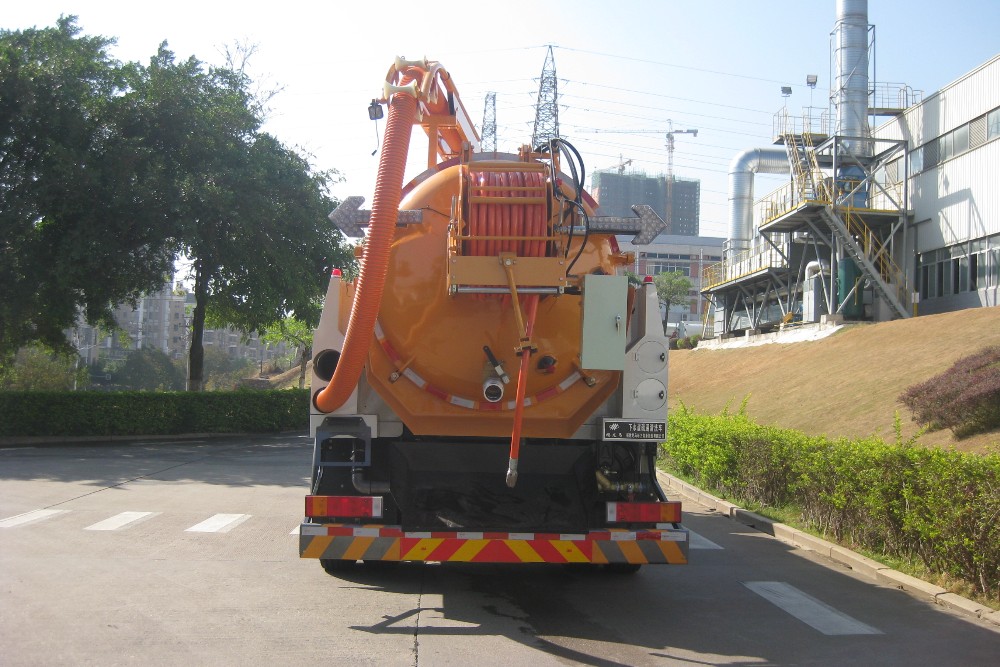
(29, 517)
(820, 616)
(696, 541)
(220, 523)
(121, 521)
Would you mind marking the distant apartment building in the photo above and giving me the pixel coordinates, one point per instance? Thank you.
(618, 192)
(162, 321)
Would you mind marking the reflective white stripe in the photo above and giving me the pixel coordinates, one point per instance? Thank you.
(572, 537)
(220, 523)
(568, 382)
(414, 378)
(366, 532)
(312, 529)
(520, 536)
(809, 610)
(612, 512)
(29, 517)
(678, 536)
(463, 402)
(627, 537)
(700, 542)
(419, 536)
(120, 521)
(469, 536)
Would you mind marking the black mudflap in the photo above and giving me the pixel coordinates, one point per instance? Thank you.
(461, 486)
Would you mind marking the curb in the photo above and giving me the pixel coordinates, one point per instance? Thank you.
(872, 569)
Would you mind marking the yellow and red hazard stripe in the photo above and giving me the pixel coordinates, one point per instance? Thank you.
(390, 543)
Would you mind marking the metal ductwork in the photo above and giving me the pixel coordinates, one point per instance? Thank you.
(770, 160)
(850, 93)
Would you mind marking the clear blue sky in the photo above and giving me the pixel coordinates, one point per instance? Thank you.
(713, 65)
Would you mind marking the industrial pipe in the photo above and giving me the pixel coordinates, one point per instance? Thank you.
(770, 160)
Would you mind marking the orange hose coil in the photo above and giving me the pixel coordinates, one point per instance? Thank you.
(510, 220)
(375, 262)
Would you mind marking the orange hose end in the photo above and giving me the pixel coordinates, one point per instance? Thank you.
(375, 261)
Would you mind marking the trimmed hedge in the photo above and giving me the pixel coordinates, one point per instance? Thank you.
(91, 413)
(939, 506)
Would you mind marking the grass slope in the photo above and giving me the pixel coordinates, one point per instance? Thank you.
(843, 385)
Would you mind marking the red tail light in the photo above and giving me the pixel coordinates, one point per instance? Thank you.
(344, 506)
(644, 512)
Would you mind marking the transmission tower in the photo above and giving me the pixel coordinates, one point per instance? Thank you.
(489, 138)
(547, 108)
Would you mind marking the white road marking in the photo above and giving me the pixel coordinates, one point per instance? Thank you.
(220, 523)
(296, 530)
(809, 610)
(123, 520)
(29, 517)
(696, 541)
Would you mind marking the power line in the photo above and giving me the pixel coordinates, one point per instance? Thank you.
(674, 65)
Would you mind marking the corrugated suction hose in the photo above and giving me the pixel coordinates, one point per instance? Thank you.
(375, 261)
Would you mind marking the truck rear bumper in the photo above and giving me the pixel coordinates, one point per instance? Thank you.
(335, 541)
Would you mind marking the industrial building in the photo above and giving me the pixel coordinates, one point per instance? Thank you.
(891, 208)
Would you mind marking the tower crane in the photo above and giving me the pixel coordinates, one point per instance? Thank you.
(670, 134)
(622, 163)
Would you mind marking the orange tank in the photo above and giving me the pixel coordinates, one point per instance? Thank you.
(427, 360)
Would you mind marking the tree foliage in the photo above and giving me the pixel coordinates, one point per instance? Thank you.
(147, 369)
(109, 171)
(37, 368)
(76, 233)
(296, 332)
(673, 289)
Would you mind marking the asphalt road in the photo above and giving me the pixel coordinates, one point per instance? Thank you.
(185, 553)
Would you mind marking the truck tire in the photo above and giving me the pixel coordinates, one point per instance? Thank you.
(334, 565)
(622, 568)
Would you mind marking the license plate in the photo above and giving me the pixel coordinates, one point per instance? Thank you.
(624, 429)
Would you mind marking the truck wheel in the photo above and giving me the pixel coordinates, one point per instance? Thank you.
(622, 568)
(333, 565)
(380, 564)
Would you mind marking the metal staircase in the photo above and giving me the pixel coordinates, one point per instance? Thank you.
(810, 184)
(871, 257)
(863, 246)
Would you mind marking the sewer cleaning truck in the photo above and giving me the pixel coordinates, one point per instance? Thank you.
(490, 387)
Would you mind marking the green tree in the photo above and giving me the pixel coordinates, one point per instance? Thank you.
(108, 172)
(37, 368)
(148, 370)
(77, 231)
(224, 372)
(298, 333)
(251, 212)
(673, 289)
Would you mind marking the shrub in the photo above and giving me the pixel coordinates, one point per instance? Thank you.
(147, 413)
(965, 398)
(937, 506)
